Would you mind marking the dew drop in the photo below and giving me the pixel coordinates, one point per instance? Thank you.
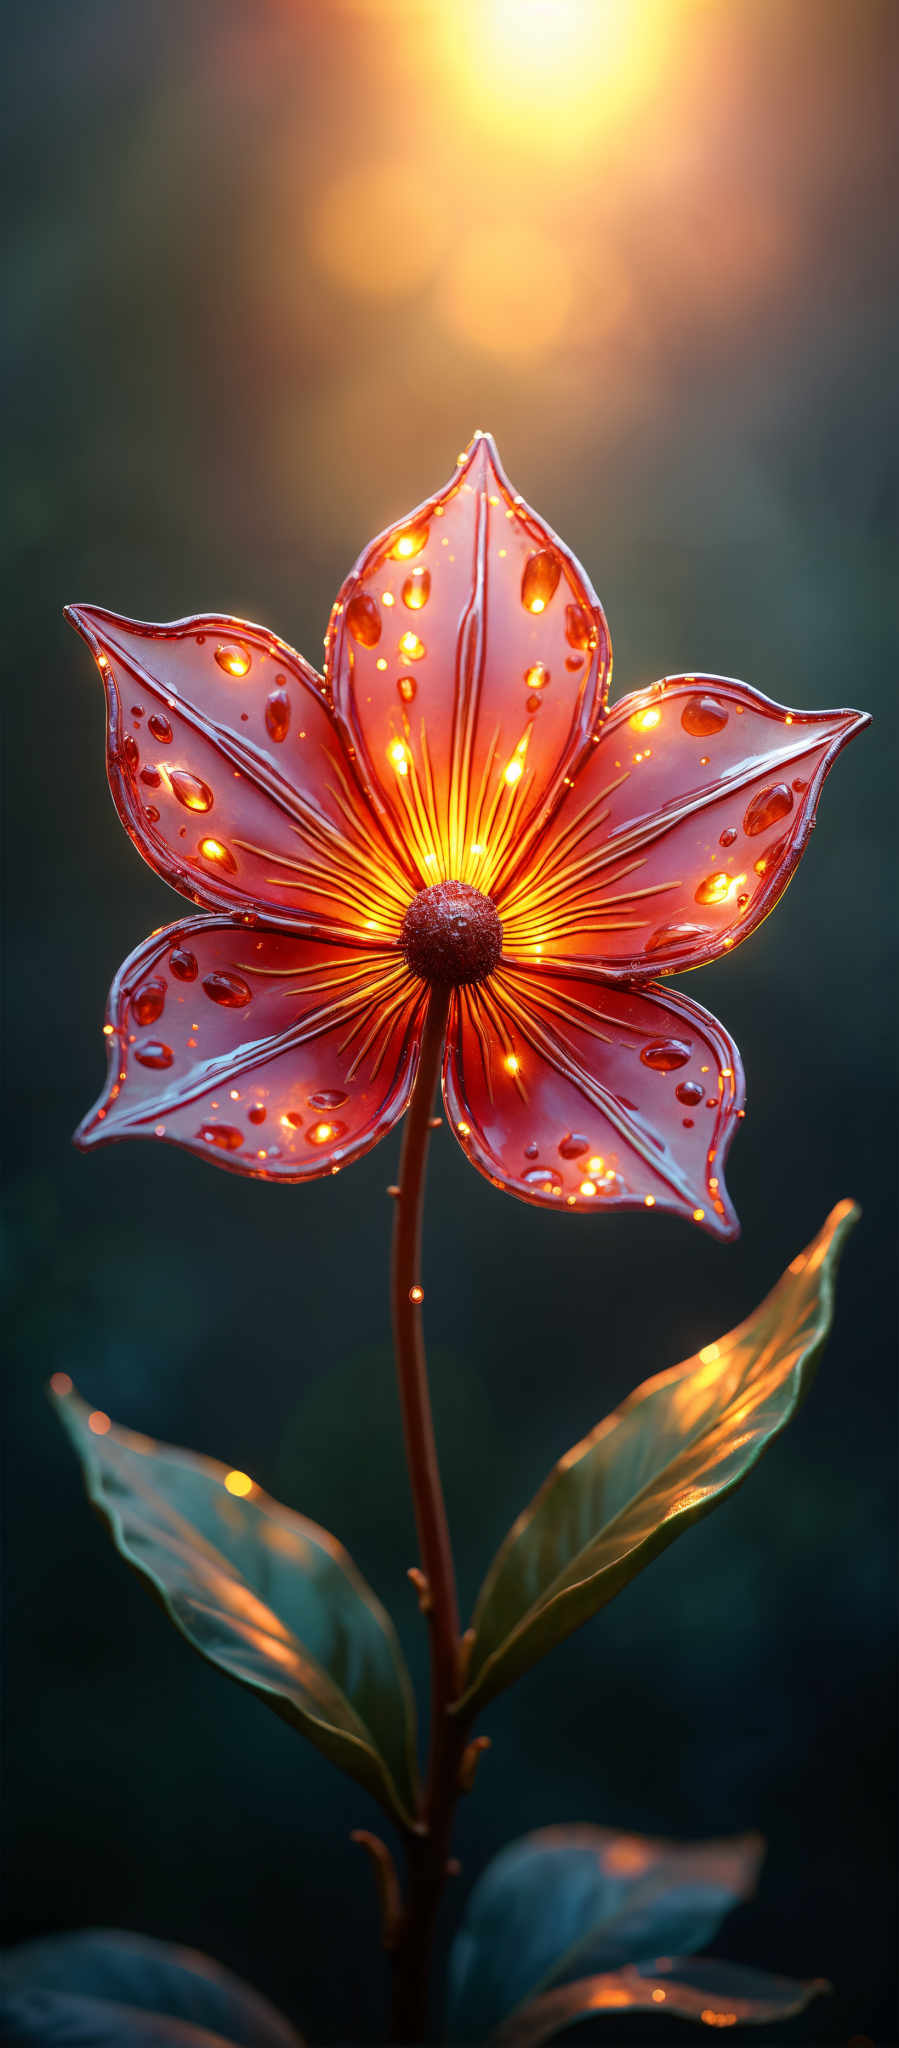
(772, 856)
(324, 1133)
(328, 1098)
(154, 1054)
(767, 808)
(294, 1119)
(689, 1091)
(728, 836)
(417, 589)
(573, 1145)
(407, 686)
(234, 660)
(673, 935)
(537, 677)
(182, 964)
(542, 1177)
(665, 1054)
(129, 749)
(212, 849)
(578, 628)
(411, 646)
(540, 580)
(531, 1150)
(151, 777)
(160, 728)
(148, 1002)
(364, 620)
(702, 716)
(227, 989)
(533, 704)
(225, 1136)
(257, 1113)
(151, 813)
(190, 790)
(409, 543)
(277, 715)
(713, 889)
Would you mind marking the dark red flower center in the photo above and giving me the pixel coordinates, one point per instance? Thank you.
(451, 933)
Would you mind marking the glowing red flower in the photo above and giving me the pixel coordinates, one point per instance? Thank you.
(453, 802)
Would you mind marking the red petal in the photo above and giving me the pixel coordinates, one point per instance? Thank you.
(229, 776)
(469, 659)
(680, 833)
(595, 1098)
(269, 1053)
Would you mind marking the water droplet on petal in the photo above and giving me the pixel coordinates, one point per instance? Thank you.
(277, 715)
(148, 1002)
(160, 728)
(531, 1150)
(190, 790)
(728, 836)
(665, 1054)
(151, 777)
(540, 580)
(183, 964)
(325, 1133)
(234, 660)
(129, 749)
(328, 1098)
(417, 589)
(409, 542)
(257, 1113)
(294, 1119)
(212, 849)
(573, 1144)
(227, 989)
(364, 620)
(674, 935)
(153, 1054)
(542, 1177)
(411, 647)
(714, 889)
(702, 716)
(579, 631)
(225, 1136)
(772, 856)
(407, 686)
(537, 677)
(151, 813)
(767, 807)
(689, 1091)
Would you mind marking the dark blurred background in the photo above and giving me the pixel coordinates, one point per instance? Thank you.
(272, 264)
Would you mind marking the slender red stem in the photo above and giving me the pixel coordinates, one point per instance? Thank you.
(427, 1852)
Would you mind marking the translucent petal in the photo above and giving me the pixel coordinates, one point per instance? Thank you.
(679, 833)
(595, 1098)
(228, 774)
(469, 659)
(267, 1052)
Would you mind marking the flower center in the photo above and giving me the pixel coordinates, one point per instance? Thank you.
(451, 933)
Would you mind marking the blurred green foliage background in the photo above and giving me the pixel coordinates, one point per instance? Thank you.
(272, 264)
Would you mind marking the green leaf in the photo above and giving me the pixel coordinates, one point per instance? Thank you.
(269, 1597)
(676, 1446)
(568, 1900)
(100, 1985)
(689, 1987)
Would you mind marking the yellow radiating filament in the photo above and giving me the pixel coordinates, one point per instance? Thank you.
(397, 753)
(239, 1483)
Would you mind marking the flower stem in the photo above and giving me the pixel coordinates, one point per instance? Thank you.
(428, 1850)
